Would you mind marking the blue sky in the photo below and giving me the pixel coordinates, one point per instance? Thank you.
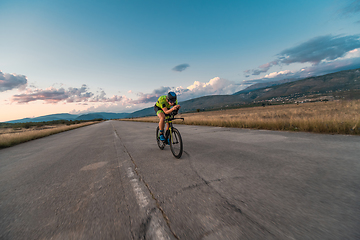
(119, 56)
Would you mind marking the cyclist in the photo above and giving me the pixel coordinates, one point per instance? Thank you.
(164, 106)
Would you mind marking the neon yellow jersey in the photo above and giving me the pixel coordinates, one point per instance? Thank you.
(162, 103)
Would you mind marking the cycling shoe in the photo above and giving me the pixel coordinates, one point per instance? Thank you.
(162, 138)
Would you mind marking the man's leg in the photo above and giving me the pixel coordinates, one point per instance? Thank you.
(161, 116)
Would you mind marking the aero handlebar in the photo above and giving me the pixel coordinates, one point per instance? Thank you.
(172, 118)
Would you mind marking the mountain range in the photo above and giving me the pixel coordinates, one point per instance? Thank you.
(73, 117)
(339, 85)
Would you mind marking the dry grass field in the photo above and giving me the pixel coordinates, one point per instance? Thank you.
(334, 117)
(10, 136)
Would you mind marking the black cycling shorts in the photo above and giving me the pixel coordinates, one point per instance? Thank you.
(157, 109)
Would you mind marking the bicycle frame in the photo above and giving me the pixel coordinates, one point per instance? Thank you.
(169, 119)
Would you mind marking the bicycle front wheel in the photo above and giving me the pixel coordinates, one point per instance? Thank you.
(176, 144)
(160, 143)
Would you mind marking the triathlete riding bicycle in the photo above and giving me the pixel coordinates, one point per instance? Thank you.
(165, 105)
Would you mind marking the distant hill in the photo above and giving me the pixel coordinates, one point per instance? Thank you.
(142, 113)
(67, 116)
(327, 85)
(101, 115)
(344, 84)
(51, 117)
(265, 84)
(106, 115)
(89, 116)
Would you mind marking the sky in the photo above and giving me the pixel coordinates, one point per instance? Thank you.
(79, 57)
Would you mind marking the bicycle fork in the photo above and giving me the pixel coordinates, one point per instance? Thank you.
(168, 135)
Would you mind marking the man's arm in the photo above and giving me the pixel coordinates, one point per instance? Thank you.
(168, 111)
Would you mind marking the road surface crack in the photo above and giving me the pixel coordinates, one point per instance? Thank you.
(149, 189)
(127, 205)
(234, 207)
(196, 185)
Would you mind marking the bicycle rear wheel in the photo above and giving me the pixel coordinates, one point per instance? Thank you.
(176, 144)
(160, 143)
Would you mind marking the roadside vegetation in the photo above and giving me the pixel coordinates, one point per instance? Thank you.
(333, 117)
(15, 133)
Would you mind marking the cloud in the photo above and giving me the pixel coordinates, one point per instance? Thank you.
(215, 86)
(330, 67)
(349, 61)
(150, 97)
(278, 74)
(320, 49)
(12, 81)
(53, 95)
(102, 98)
(181, 67)
(263, 68)
(352, 8)
(71, 95)
(49, 95)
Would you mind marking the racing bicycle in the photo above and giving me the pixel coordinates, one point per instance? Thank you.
(172, 136)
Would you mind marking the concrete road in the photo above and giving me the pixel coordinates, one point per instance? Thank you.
(111, 181)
